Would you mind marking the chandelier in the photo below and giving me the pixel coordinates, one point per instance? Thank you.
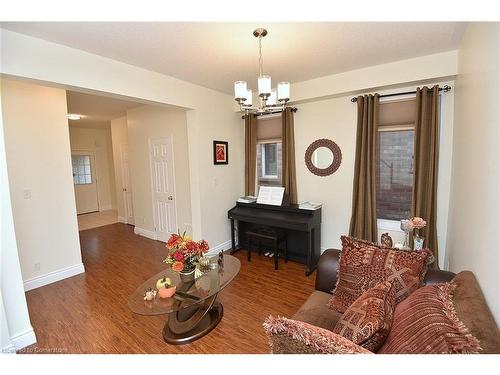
(270, 100)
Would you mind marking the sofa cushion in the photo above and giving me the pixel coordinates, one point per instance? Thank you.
(363, 265)
(292, 336)
(368, 320)
(316, 312)
(473, 311)
(426, 323)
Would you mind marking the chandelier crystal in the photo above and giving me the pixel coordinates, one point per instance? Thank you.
(270, 100)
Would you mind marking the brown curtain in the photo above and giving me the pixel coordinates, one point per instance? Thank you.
(288, 157)
(250, 153)
(426, 164)
(364, 208)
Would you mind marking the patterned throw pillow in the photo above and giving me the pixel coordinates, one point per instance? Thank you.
(363, 265)
(368, 320)
(287, 336)
(426, 323)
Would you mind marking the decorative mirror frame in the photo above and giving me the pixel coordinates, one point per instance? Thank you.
(337, 157)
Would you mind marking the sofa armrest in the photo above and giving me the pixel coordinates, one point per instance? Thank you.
(326, 274)
(437, 276)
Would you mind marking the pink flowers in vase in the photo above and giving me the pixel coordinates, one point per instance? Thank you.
(418, 222)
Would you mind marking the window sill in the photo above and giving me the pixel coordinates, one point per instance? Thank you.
(391, 225)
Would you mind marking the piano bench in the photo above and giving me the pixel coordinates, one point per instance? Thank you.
(266, 235)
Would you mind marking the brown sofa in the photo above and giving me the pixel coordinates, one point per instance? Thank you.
(468, 301)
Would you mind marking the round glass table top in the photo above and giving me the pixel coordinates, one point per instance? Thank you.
(187, 293)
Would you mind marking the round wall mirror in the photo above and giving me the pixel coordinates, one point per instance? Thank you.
(323, 157)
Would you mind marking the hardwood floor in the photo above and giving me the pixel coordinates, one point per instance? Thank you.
(88, 313)
(97, 219)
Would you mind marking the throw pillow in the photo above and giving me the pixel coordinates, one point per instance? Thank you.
(291, 336)
(368, 320)
(363, 265)
(426, 323)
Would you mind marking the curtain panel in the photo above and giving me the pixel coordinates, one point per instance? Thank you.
(288, 156)
(364, 207)
(424, 202)
(250, 153)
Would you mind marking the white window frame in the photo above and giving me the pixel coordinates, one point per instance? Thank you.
(263, 158)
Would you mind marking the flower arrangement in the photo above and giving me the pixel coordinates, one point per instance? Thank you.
(184, 253)
(418, 223)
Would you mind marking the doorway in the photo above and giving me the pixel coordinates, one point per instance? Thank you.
(85, 182)
(126, 186)
(162, 175)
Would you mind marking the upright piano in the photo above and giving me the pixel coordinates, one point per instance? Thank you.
(303, 229)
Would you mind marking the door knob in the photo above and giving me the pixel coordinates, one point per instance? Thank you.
(170, 198)
(124, 189)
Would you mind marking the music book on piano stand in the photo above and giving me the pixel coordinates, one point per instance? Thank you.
(272, 195)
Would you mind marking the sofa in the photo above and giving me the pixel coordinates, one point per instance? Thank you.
(468, 301)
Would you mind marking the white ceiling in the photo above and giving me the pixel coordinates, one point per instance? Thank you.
(215, 55)
(97, 110)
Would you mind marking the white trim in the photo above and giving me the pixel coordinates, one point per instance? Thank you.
(54, 276)
(392, 225)
(23, 339)
(145, 233)
(9, 349)
(214, 250)
(121, 219)
(107, 207)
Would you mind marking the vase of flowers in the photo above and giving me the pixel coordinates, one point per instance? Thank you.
(417, 224)
(184, 254)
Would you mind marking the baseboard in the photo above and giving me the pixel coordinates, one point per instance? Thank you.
(220, 247)
(106, 207)
(23, 339)
(145, 233)
(54, 276)
(9, 349)
(121, 219)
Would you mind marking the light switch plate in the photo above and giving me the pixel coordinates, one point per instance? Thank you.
(27, 194)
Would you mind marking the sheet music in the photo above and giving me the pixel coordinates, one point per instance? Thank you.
(272, 195)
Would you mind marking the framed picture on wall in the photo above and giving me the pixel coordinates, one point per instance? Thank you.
(221, 152)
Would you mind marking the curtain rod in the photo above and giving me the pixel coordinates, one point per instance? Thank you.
(446, 88)
(294, 109)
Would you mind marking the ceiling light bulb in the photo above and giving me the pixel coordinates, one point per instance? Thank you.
(264, 84)
(283, 91)
(249, 98)
(272, 98)
(240, 90)
(73, 116)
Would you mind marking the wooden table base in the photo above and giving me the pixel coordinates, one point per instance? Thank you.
(191, 323)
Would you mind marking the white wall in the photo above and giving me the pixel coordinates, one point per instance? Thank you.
(119, 138)
(150, 122)
(99, 142)
(14, 319)
(41, 183)
(475, 203)
(214, 189)
(335, 119)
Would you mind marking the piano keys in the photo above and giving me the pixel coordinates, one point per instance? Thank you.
(303, 229)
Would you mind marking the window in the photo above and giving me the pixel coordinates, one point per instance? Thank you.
(395, 160)
(269, 152)
(82, 173)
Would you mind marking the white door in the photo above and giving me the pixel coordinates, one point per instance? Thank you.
(162, 174)
(84, 181)
(127, 187)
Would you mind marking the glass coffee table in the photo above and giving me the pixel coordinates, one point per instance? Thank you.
(193, 310)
